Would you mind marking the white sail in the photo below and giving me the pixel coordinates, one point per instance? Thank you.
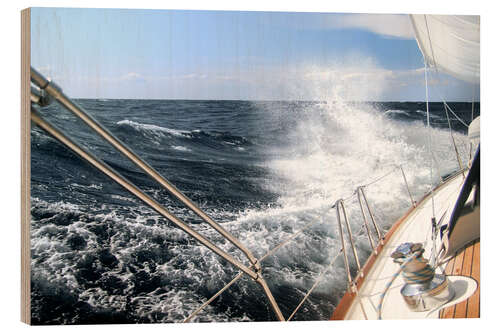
(450, 43)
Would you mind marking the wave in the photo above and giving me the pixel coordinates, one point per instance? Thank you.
(157, 132)
(181, 148)
(152, 128)
(130, 266)
(396, 112)
(114, 262)
(330, 153)
(422, 112)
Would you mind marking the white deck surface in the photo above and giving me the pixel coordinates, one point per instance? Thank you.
(416, 228)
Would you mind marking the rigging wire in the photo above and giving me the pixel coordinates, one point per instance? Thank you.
(240, 274)
(283, 243)
(451, 110)
(429, 140)
(453, 142)
(318, 280)
(433, 218)
(437, 72)
(472, 109)
(383, 176)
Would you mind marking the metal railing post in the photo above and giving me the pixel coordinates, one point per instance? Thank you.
(372, 217)
(57, 93)
(351, 240)
(270, 297)
(114, 175)
(252, 271)
(344, 252)
(413, 202)
(340, 205)
(365, 221)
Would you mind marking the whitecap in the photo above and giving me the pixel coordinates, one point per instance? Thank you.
(152, 128)
(180, 148)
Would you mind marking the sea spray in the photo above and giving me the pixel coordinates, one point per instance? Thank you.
(262, 169)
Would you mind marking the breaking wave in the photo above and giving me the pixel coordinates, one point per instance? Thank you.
(264, 170)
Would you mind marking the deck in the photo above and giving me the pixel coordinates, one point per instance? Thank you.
(465, 263)
(380, 269)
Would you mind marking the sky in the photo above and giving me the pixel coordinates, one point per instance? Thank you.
(174, 54)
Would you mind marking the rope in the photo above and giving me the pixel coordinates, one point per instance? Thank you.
(421, 276)
(318, 280)
(285, 242)
(236, 278)
(280, 245)
(381, 177)
(353, 195)
(434, 231)
(433, 218)
(240, 274)
(388, 285)
(449, 108)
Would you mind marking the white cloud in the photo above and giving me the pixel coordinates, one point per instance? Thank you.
(131, 76)
(389, 25)
(357, 78)
(191, 76)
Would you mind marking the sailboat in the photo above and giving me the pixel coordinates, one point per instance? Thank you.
(445, 223)
(411, 270)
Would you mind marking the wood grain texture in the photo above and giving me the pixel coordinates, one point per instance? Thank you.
(465, 263)
(449, 312)
(348, 298)
(461, 308)
(25, 166)
(473, 308)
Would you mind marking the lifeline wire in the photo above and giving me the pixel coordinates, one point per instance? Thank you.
(276, 248)
(318, 280)
(388, 285)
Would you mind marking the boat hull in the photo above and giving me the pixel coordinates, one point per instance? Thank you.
(379, 269)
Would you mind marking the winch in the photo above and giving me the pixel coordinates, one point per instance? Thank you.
(424, 290)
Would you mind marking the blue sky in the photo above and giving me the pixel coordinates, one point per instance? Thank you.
(113, 53)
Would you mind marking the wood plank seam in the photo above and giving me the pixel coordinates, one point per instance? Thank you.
(465, 263)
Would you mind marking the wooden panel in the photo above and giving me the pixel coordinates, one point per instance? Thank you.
(461, 308)
(449, 266)
(348, 298)
(459, 259)
(465, 263)
(449, 312)
(473, 308)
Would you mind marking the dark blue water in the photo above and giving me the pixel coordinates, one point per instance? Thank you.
(262, 169)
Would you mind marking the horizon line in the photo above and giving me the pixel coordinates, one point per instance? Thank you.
(269, 100)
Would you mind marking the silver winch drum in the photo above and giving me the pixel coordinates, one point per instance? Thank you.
(423, 290)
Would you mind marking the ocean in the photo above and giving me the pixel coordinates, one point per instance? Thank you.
(263, 170)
